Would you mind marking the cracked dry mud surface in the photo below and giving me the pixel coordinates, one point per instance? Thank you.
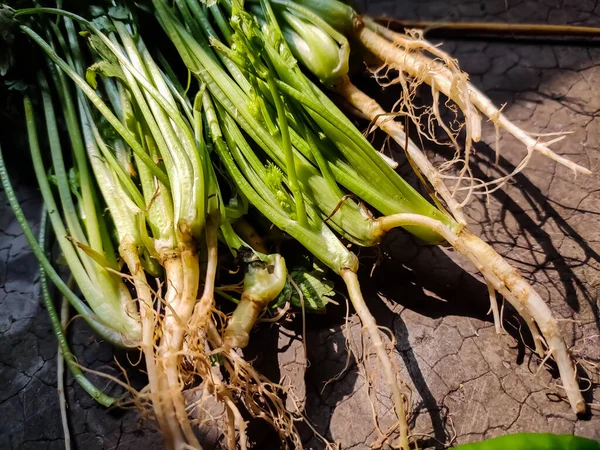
(466, 380)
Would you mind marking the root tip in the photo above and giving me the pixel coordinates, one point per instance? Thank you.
(580, 407)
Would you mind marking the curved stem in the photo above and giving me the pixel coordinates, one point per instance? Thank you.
(290, 161)
(368, 321)
(205, 305)
(100, 105)
(59, 328)
(109, 334)
(511, 284)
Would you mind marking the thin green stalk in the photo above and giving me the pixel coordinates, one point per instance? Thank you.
(122, 209)
(98, 103)
(58, 164)
(88, 208)
(130, 189)
(412, 199)
(322, 163)
(221, 22)
(104, 331)
(290, 161)
(211, 35)
(103, 292)
(167, 143)
(347, 138)
(228, 235)
(226, 296)
(344, 173)
(81, 276)
(112, 89)
(184, 9)
(70, 360)
(71, 212)
(141, 121)
(318, 239)
(85, 181)
(159, 209)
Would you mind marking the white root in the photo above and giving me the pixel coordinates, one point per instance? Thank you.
(247, 382)
(241, 423)
(513, 287)
(468, 98)
(231, 437)
(386, 122)
(161, 403)
(421, 67)
(368, 321)
(182, 277)
(494, 308)
(204, 307)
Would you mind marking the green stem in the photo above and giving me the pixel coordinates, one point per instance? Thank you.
(85, 182)
(99, 104)
(72, 364)
(186, 175)
(60, 172)
(102, 291)
(290, 162)
(318, 239)
(103, 330)
(222, 23)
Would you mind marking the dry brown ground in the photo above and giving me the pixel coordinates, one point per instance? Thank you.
(467, 381)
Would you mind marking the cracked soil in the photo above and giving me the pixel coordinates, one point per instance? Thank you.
(467, 382)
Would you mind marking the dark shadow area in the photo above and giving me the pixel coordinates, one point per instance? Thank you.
(262, 352)
(543, 211)
(427, 403)
(328, 358)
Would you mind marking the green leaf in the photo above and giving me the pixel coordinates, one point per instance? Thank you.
(104, 68)
(8, 28)
(274, 181)
(90, 77)
(118, 12)
(52, 180)
(96, 42)
(317, 290)
(16, 85)
(103, 23)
